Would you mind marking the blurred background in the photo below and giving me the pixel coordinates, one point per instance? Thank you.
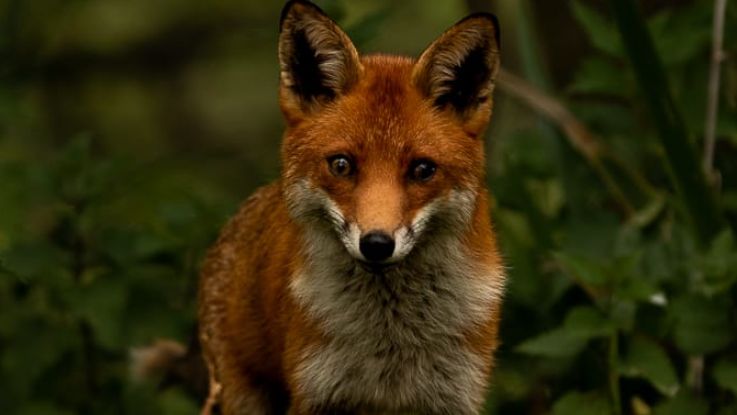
(131, 129)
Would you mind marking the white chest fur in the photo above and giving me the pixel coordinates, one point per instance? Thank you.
(396, 340)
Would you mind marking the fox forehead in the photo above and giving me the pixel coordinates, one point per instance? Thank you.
(384, 118)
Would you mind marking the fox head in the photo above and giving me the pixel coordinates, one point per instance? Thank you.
(384, 150)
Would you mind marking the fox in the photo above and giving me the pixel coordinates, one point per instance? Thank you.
(366, 279)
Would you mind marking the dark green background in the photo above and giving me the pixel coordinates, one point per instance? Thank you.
(131, 129)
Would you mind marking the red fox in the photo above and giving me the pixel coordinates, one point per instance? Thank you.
(366, 279)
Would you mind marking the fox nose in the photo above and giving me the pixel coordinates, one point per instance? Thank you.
(376, 246)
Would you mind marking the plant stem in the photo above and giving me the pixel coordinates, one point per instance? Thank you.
(638, 179)
(695, 373)
(681, 161)
(614, 392)
(712, 103)
(78, 251)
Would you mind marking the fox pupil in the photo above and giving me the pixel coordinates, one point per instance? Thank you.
(422, 170)
(340, 166)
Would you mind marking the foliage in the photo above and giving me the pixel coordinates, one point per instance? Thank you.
(115, 179)
(623, 312)
(94, 271)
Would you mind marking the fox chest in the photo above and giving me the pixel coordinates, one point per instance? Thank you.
(394, 343)
(388, 378)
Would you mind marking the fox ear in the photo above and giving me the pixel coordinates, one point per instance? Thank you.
(458, 70)
(318, 61)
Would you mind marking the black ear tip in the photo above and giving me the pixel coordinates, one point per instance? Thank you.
(299, 3)
(491, 18)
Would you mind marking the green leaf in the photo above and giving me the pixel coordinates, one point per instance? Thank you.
(129, 246)
(516, 226)
(683, 404)
(101, 304)
(623, 313)
(174, 402)
(548, 195)
(599, 76)
(646, 359)
(581, 325)
(720, 263)
(577, 403)
(554, 343)
(82, 177)
(587, 323)
(582, 269)
(602, 32)
(681, 35)
(632, 284)
(725, 374)
(702, 324)
(36, 345)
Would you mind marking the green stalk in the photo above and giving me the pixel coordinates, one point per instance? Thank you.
(682, 161)
(614, 392)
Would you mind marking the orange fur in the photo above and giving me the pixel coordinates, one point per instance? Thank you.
(257, 328)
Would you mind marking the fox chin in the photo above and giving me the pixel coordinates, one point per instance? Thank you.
(367, 278)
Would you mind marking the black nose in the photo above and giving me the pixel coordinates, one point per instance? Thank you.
(376, 246)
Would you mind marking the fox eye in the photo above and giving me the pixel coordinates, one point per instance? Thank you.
(422, 170)
(340, 165)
